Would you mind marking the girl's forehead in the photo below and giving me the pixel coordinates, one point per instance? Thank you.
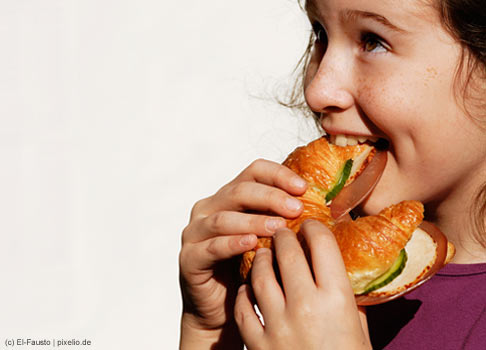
(408, 13)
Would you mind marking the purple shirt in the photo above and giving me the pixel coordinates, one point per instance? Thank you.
(447, 312)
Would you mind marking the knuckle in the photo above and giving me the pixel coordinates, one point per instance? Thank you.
(222, 248)
(237, 191)
(217, 221)
(259, 276)
(309, 309)
(288, 247)
(274, 199)
(281, 172)
(212, 248)
(259, 282)
(304, 309)
(239, 310)
(197, 208)
(339, 298)
(288, 256)
(284, 175)
(257, 164)
(249, 224)
(239, 315)
(274, 196)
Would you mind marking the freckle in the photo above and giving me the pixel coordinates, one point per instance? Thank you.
(432, 72)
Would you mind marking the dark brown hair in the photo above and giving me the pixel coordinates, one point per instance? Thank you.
(465, 20)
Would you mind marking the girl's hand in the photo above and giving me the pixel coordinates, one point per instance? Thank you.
(311, 312)
(224, 226)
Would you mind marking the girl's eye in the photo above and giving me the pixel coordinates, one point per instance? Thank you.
(373, 43)
(320, 33)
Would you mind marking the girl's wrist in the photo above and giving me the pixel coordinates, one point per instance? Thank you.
(195, 336)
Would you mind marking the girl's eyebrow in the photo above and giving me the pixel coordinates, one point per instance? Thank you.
(352, 15)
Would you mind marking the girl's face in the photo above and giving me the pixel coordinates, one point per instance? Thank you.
(387, 69)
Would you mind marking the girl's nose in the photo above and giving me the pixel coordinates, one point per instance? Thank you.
(328, 87)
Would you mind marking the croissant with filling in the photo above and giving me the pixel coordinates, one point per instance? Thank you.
(371, 245)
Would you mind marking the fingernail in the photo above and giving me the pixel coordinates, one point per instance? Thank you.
(298, 182)
(242, 288)
(261, 251)
(246, 240)
(293, 204)
(271, 225)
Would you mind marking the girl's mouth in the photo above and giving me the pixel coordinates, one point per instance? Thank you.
(352, 140)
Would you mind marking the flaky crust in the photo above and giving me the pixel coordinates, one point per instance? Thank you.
(369, 245)
(319, 163)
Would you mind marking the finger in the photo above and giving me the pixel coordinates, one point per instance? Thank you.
(248, 195)
(251, 329)
(261, 171)
(269, 296)
(294, 269)
(327, 261)
(235, 223)
(273, 174)
(204, 255)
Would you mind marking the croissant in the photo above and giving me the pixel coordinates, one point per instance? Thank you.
(375, 248)
(369, 245)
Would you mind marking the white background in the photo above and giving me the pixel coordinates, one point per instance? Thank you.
(115, 117)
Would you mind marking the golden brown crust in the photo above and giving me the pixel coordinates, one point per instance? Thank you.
(369, 245)
(320, 162)
(407, 215)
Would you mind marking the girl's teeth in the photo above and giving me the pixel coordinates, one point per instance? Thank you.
(343, 140)
(352, 141)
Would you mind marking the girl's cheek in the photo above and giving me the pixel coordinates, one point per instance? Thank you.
(373, 99)
(386, 102)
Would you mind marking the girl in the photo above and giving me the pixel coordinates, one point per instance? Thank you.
(412, 73)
